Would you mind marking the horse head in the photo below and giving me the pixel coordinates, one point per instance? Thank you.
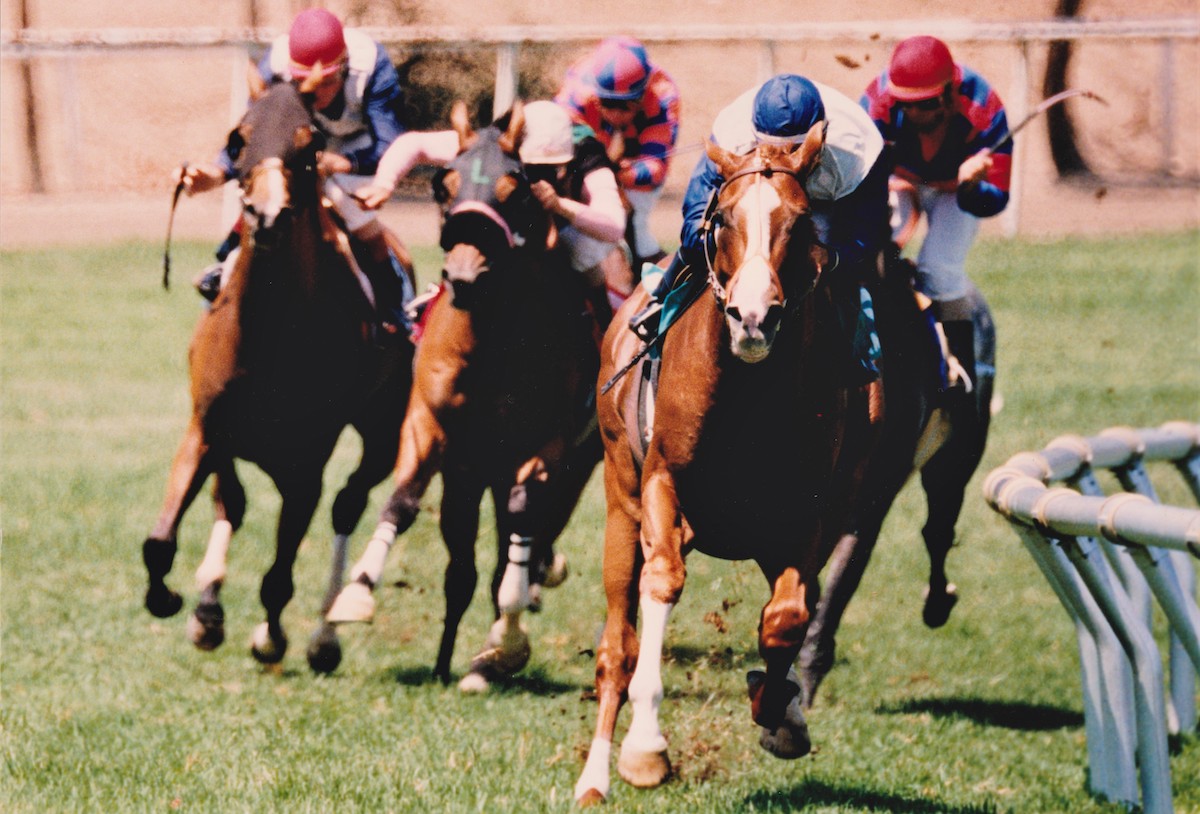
(764, 239)
(275, 148)
(488, 214)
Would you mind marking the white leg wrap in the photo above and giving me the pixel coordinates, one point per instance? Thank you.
(513, 596)
(596, 770)
(375, 556)
(212, 569)
(646, 688)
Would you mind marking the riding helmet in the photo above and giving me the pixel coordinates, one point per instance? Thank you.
(620, 69)
(785, 109)
(316, 36)
(921, 67)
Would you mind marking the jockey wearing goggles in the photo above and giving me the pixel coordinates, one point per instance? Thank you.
(847, 190)
(632, 106)
(568, 173)
(356, 106)
(942, 122)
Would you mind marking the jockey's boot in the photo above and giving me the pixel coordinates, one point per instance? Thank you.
(208, 281)
(392, 285)
(645, 323)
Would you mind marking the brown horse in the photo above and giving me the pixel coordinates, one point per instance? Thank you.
(940, 435)
(756, 444)
(500, 398)
(282, 362)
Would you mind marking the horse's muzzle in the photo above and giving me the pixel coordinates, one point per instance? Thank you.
(752, 336)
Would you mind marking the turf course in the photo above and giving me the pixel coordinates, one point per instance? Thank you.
(105, 709)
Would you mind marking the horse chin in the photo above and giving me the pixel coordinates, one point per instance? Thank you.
(751, 351)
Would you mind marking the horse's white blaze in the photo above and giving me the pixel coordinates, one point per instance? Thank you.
(596, 770)
(750, 293)
(212, 569)
(646, 687)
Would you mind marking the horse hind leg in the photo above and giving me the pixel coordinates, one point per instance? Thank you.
(206, 626)
(459, 525)
(944, 485)
(324, 651)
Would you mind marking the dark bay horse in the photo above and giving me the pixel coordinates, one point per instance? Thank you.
(756, 444)
(924, 429)
(279, 366)
(500, 400)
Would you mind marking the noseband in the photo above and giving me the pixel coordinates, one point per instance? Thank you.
(711, 225)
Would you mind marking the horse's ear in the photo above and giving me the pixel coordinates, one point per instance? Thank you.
(460, 120)
(809, 154)
(511, 138)
(718, 155)
(255, 84)
(313, 80)
(302, 137)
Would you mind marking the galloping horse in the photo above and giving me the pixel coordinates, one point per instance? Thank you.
(924, 430)
(756, 443)
(500, 400)
(279, 366)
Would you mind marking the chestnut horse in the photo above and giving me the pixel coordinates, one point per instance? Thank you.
(279, 366)
(756, 445)
(500, 401)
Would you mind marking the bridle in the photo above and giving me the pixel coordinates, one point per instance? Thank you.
(711, 224)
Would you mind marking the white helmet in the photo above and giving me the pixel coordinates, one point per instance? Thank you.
(546, 138)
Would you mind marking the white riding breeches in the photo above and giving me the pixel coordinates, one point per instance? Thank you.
(941, 262)
(642, 202)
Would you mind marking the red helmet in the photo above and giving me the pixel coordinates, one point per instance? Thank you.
(316, 36)
(921, 67)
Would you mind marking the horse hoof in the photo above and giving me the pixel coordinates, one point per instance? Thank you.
(558, 572)
(163, 602)
(355, 603)
(506, 651)
(938, 606)
(474, 684)
(643, 770)
(206, 628)
(324, 651)
(590, 798)
(265, 649)
(790, 739)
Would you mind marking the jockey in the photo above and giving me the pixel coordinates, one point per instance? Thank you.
(847, 190)
(632, 106)
(570, 176)
(942, 122)
(357, 107)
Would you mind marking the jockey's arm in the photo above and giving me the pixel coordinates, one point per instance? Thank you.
(601, 215)
(383, 99)
(437, 148)
(705, 180)
(859, 221)
(199, 177)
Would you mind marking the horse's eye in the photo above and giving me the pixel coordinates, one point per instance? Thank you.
(446, 185)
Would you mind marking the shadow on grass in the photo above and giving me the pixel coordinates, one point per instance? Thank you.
(529, 682)
(1005, 714)
(814, 793)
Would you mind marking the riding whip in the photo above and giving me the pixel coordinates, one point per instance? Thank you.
(179, 187)
(1042, 108)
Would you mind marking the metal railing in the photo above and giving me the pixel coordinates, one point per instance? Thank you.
(1105, 556)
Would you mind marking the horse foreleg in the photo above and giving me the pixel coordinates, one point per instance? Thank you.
(422, 444)
(188, 471)
(643, 761)
(461, 493)
(300, 497)
(774, 696)
(206, 626)
(617, 654)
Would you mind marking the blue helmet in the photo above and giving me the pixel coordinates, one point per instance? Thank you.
(785, 108)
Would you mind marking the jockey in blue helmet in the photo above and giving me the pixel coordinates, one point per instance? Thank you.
(847, 190)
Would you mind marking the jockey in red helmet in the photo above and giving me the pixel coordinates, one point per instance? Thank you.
(943, 123)
(632, 106)
(356, 106)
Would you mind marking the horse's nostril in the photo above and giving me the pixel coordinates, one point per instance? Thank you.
(734, 313)
(774, 316)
